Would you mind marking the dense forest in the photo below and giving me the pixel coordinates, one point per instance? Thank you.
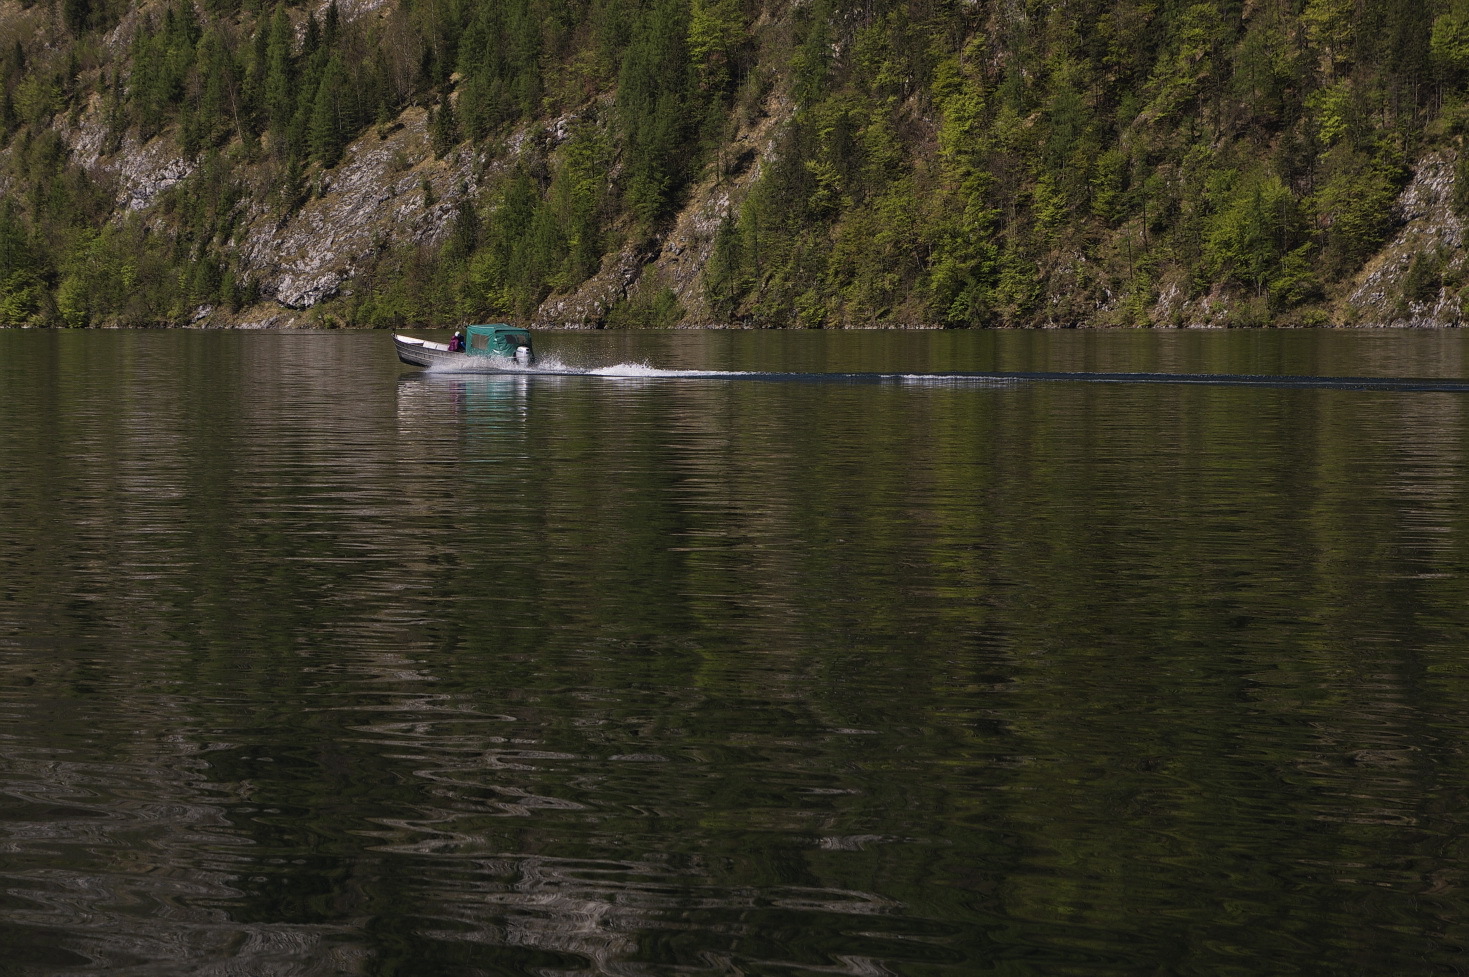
(924, 162)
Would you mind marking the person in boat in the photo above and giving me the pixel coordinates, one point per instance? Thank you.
(456, 345)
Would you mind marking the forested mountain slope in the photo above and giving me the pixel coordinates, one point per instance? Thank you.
(768, 162)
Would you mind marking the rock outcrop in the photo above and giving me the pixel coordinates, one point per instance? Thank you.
(1384, 292)
(387, 189)
(676, 260)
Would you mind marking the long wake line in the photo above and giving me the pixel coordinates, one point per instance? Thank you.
(640, 371)
(1405, 384)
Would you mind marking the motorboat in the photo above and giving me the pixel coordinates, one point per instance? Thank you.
(485, 348)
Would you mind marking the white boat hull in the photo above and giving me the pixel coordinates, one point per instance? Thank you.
(422, 352)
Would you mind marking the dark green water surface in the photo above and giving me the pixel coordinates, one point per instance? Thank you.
(314, 665)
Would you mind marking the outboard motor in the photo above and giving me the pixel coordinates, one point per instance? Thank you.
(524, 357)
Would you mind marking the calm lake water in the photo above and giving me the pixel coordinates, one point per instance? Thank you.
(311, 664)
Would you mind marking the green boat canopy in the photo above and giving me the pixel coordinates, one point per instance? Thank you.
(497, 339)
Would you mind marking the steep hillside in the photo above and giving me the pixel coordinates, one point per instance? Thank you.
(817, 163)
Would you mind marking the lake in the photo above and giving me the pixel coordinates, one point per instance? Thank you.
(741, 654)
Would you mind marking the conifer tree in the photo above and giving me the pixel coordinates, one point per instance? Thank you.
(76, 14)
(329, 120)
(332, 28)
(443, 129)
(311, 40)
(652, 90)
(279, 98)
(716, 31)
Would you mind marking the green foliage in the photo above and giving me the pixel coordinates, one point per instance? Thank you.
(21, 287)
(1449, 42)
(651, 305)
(501, 56)
(653, 100)
(952, 164)
(716, 35)
(443, 128)
(1255, 226)
(812, 61)
(1460, 196)
(1354, 202)
(332, 115)
(277, 100)
(526, 241)
(1423, 279)
(1331, 27)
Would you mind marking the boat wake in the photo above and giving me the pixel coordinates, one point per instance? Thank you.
(642, 371)
(551, 367)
